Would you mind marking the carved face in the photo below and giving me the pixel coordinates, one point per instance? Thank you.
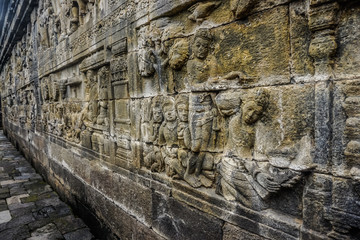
(157, 115)
(251, 112)
(90, 76)
(183, 112)
(201, 48)
(170, 114)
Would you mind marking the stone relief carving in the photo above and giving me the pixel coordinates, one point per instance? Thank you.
(242, 176)
(178, 54)
(201, 65)
(194, 123)
(61, 20)
(200, 11)
(150, 131)
(44, 13)
(241, 7)
(103, 75)
(146, 58)
(168, 139)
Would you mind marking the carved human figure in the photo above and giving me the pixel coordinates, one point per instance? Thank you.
(185, 156)
(197, 67)
(91, 91)
(168, 130)
(146, 57)
(228, 104)
(242, 178)
(90, 110)
(75, 123)
(62, 20)
(52, 29)
(59, 121)
(203, 127)
(103, 96)
(183, 131)
(202, 66)
(169, 139)
(45, 13)
(150, 131)
(75, 19)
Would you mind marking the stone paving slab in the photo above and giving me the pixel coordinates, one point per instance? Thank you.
(29, 208)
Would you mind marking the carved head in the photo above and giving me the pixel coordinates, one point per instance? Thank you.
(156, 110)
(182, 107)
(253, 109)
(202, 43)
(227, 103)
(169, 110)
(178, 54)
(103, 76)
(251, 112)
(90, 76)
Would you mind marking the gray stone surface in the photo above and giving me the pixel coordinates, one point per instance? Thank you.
(35, 211)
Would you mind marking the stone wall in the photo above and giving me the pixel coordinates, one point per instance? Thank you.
(190, 119)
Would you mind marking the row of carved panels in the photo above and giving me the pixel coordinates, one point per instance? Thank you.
(284, 122)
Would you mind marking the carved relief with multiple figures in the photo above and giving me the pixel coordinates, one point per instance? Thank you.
(239, 100)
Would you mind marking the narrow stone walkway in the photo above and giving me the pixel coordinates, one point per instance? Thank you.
(29, 208)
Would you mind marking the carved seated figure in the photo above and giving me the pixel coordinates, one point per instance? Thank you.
(243, 178)
(102, 118)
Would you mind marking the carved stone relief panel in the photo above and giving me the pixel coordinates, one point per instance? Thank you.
(249, 104)
(262, 167)
(119, 80)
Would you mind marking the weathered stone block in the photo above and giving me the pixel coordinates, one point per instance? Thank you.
(252, 47)
(232, 232)
(177, 221)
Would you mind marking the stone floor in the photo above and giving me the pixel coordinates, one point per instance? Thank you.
(29, 208)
